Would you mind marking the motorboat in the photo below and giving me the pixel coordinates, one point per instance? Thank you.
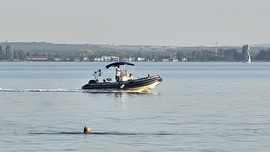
(124, 81)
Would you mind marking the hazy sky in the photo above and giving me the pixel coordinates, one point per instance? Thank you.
(146, 22)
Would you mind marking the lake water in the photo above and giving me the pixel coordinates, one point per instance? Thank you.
(198, 107)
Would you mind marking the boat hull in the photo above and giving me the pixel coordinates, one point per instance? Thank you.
(138, 85)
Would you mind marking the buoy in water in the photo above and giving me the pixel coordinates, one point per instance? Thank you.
(87, 130)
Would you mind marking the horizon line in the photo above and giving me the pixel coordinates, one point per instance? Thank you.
(256, 45)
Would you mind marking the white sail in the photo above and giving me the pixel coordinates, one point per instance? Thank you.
(248, 54)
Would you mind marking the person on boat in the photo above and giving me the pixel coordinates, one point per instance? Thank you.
(118, 73)
(99, 73)
(95, 75)
(130, 77)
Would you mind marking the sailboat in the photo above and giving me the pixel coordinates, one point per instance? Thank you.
(246, 54)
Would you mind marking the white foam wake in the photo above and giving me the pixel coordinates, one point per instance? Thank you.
(73, 90)
(38, 90)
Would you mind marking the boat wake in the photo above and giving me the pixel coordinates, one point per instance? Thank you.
(39, 90)
(73, 90)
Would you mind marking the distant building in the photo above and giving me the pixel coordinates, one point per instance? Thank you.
(36, 59)
(165, 60)
(97, 59)
(114, 58)
(57, 59)
(175, 60)
(140, 59)
(107, 59)
(184, 59)
(128, 59)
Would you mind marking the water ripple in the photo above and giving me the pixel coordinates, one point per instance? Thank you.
(104, 133)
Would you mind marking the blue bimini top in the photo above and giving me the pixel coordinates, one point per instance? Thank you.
(118, 63)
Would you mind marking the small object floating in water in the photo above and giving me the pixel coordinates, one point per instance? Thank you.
(87, 130)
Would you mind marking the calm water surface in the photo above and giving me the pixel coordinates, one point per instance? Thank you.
(198, 107)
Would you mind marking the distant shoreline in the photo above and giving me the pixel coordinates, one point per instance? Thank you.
(53, 52)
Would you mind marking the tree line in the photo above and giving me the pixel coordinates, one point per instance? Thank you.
(204, 55)
(229, 55)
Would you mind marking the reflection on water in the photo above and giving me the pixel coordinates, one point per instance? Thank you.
(120, 94)
(121, 97)
(124, 95)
